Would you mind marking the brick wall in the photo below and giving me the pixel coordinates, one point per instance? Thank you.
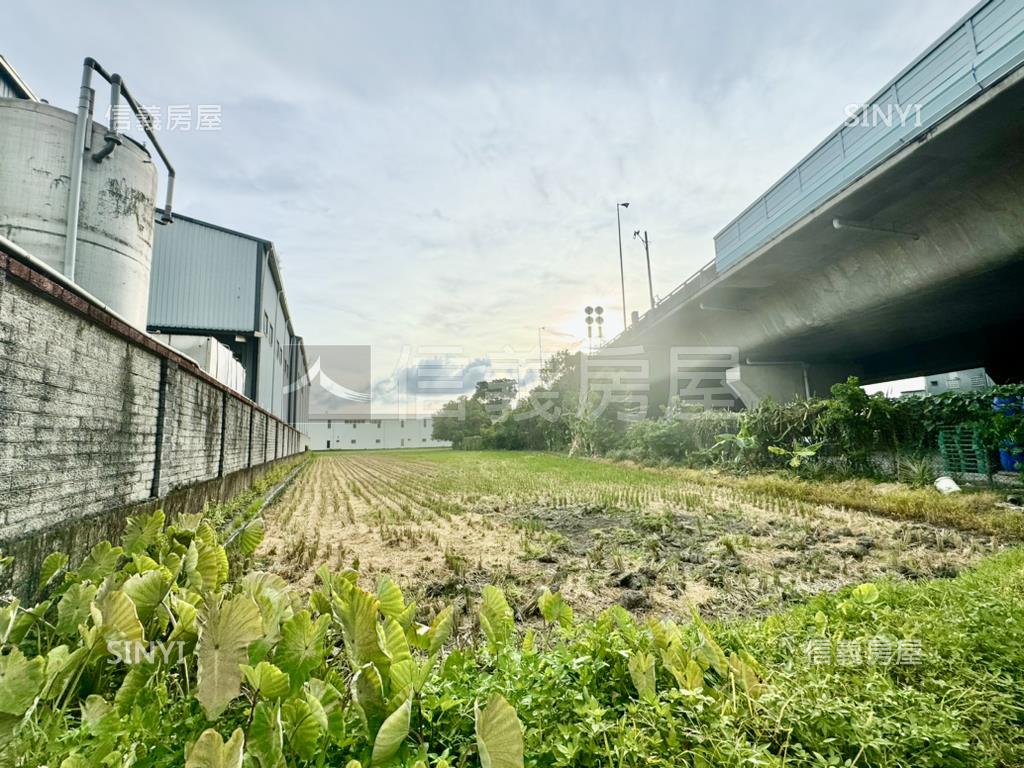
(96, 416)
(236, 435)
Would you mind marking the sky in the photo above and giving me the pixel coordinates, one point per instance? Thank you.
(440, 179)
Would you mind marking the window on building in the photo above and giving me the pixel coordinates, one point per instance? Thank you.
(328, 444)
(402, 424)
(423, 440)
(328, 423)
(424, 422)
(378, 440)
(353, 442)
(353, 425)
(378, 424)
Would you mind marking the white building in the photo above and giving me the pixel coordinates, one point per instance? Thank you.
(375, 433)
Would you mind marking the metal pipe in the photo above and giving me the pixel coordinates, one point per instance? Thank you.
(112, 138)
(147, 126)
(83, 130)
(117, 90)
(77, 158)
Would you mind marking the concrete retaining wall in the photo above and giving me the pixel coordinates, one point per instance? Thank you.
(97, 417)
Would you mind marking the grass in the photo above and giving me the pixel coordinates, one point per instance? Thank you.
(444, 524)
(807, 687)
(957, 704)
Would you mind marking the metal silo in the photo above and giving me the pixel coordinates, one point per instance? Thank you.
(49, 160)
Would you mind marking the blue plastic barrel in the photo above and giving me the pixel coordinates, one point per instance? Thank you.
(1011, 457)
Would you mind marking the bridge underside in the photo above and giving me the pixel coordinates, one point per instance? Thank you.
(819, 303)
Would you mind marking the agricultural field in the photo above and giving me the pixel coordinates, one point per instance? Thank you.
(657, 542)
(527, 611)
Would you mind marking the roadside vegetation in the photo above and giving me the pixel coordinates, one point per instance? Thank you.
(848, 435)
(170, 649)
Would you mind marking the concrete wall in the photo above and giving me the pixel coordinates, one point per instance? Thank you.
(96, 416)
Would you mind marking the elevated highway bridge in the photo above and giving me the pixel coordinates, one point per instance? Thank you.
(895, 248)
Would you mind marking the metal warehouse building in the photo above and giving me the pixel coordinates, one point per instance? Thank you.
(211, 281)
(384, 432)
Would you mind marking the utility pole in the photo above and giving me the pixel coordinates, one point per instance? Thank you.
(647, 251)
(622, 269)
(540, 351)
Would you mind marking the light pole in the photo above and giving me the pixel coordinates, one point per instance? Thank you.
(622, 269)
(647, 250)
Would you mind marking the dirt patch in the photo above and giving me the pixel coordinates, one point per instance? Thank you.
(442, 532)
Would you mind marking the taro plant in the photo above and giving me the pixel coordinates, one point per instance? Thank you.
(247, 671)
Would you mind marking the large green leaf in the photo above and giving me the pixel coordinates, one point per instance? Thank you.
(54, 563)
(21, 680)
(302, 646)
(118, 622)
(302, 727)
(251, 537)
(358, 611)
(211, 751)
(496, 619)
(641, 670)
(267, 679)
(499, 735)
(147, 590)
(141, 532)
(135, 681)
(393, 641)
(368, 694)
(330, 702)
(440, 629)
(100, 563)
(392, 602)
(554, 609)
(73, 608)
(211, 566)
(224, 637)
(392, 733)
(266, 736)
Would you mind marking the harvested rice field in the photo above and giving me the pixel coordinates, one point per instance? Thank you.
(658, 542)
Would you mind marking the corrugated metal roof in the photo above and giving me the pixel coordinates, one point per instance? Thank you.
(11, 84)
(203, 277)
(975, 54)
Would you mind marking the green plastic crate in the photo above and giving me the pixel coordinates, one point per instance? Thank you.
(962, 451)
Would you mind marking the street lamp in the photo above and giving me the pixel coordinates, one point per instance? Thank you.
(622, 269)
(647, 250)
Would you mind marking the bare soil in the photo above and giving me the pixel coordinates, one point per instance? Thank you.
(707, 547)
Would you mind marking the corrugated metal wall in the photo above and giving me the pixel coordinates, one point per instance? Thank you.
(203, 278)
(977, 53)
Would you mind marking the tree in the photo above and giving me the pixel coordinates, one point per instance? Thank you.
(496, 396)
(458, 419)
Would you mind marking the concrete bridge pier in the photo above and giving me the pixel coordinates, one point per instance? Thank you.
(753, 381)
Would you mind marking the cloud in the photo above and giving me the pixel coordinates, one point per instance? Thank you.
(448, 176)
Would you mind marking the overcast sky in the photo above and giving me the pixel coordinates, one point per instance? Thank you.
(442, 174)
